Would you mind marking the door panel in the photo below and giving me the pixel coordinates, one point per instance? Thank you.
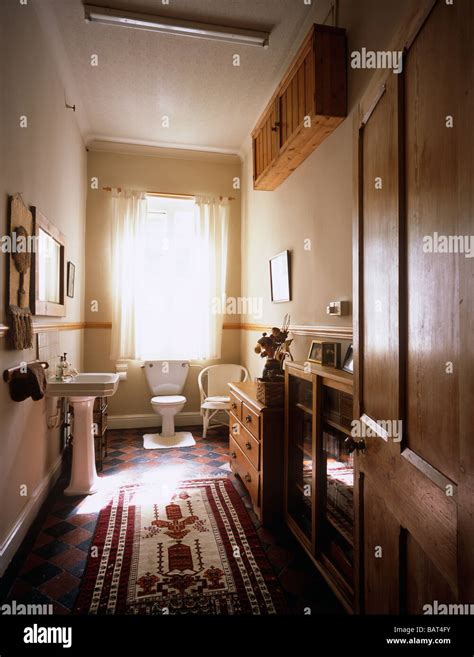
(381, 554)
(380, 280)
(432, 196)
(424, 582)
(415, 356)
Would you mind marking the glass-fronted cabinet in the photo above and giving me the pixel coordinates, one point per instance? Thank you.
(319, 470)
(300, 475)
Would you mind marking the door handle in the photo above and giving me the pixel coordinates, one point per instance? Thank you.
(354, 445)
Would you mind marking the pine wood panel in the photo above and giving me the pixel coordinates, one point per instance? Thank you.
(380, 282)
(433, 161)
(301, 93)
(424, 583)
(309, 82)
(380, 555)
(294, 87)
(465, 145)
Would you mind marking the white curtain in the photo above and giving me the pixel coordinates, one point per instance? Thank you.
(212, 230)
(129, 214)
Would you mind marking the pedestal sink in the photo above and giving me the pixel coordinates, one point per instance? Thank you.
(82, 391)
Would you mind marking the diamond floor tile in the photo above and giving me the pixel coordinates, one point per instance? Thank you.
(51, 562)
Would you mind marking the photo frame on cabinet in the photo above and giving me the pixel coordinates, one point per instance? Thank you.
(325, 353)
(348, 364)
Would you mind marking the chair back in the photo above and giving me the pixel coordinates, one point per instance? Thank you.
(218, 376)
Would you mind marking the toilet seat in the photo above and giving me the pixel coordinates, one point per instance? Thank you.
(164, 400)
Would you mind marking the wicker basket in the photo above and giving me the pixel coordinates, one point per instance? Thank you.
(271, 393)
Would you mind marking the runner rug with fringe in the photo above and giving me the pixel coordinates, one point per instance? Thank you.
(191, 551)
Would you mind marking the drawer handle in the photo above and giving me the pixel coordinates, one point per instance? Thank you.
(248, 445)
(234, 405)
(248, 418)
(248, 478)
(233, 455)
(235, 428)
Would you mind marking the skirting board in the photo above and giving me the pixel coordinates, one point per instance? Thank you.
(17, 533)
(187, 419)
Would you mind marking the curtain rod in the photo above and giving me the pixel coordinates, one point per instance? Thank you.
(119, 189)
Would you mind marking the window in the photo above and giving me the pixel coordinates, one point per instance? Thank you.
(175, 299)
(169, 265)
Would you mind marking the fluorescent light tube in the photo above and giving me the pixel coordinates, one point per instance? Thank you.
(166, 25)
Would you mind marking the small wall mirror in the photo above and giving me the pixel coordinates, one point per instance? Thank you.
(280, 277)
(49, 271)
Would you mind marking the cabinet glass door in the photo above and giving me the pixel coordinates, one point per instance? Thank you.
(337, 500)
(300, 455)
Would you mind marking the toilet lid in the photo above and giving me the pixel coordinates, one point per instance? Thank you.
(162, 400)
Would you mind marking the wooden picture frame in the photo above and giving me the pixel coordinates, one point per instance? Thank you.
(47, 307)
(280, 277)
(325, 353)
(71, 276)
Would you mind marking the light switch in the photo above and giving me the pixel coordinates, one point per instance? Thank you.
(338, 308)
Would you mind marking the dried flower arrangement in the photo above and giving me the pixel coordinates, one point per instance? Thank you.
(276, 349)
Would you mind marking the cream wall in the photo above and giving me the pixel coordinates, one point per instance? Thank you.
(314, 203)
(46, 163)
(182, 174)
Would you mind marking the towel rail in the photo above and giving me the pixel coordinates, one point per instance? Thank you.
(10, 373)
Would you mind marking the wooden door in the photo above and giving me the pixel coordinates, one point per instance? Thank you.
(297, 97)
(414, 320)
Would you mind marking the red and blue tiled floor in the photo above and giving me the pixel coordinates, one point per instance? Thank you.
(49, 565)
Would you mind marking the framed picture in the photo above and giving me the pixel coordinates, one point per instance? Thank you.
(71, 273)
(280, 277)
(325, 353)
(348, 364)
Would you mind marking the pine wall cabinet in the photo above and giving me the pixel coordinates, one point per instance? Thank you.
(309, 103)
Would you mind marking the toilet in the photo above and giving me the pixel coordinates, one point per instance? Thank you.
(166, 379)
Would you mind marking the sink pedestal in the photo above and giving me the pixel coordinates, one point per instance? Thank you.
(84, 479)
(82, 390)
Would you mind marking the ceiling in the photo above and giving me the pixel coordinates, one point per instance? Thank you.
(143, 76)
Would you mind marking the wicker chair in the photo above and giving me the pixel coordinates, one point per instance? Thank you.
(212, 382)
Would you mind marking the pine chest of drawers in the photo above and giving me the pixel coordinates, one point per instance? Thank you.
(256, 450)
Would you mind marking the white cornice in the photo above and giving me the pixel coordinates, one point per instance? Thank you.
(163, 149)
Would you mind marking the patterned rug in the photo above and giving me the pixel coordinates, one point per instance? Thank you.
(190, 551)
